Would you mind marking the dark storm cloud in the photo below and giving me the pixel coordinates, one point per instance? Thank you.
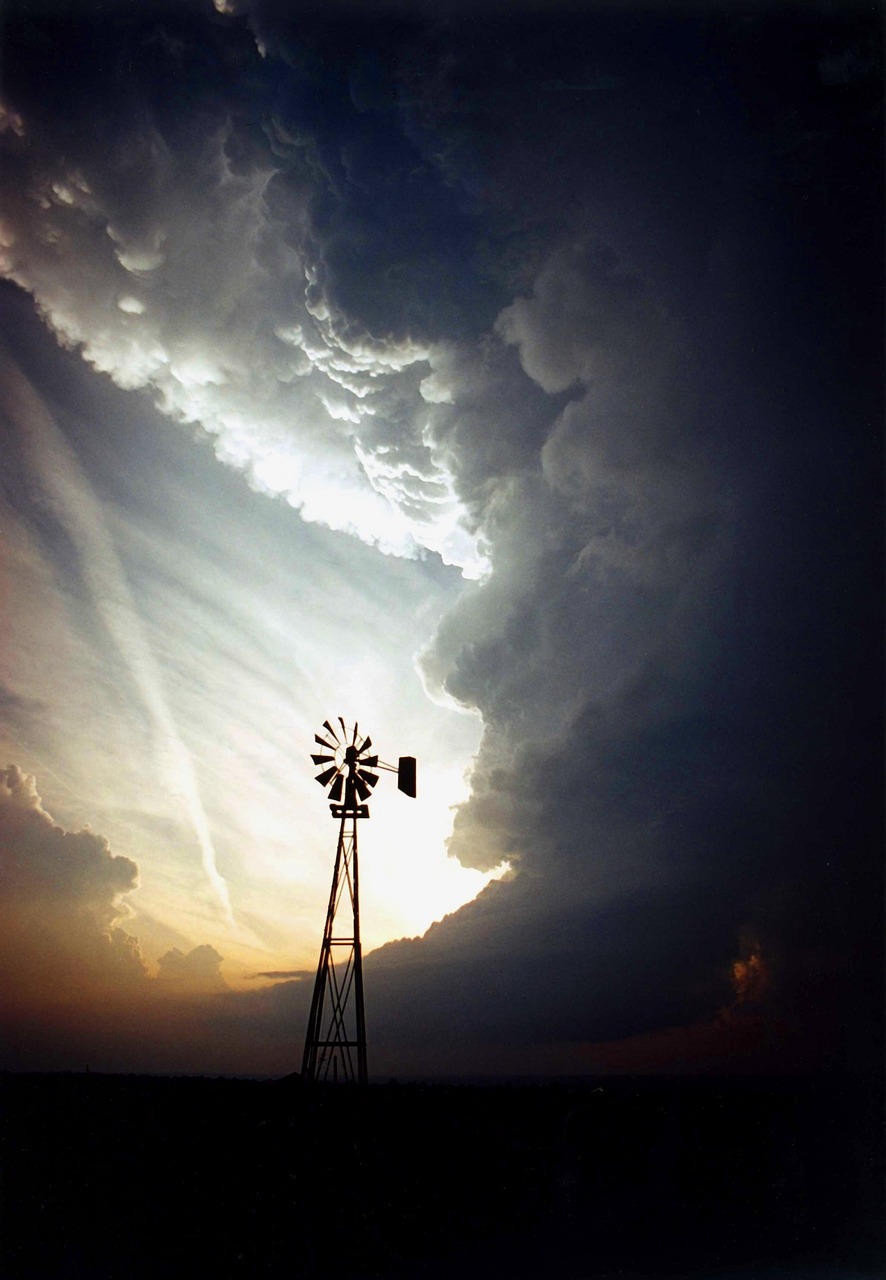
(611, 272)
(676, 654)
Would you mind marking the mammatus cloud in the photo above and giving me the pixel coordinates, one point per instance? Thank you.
(190, 261)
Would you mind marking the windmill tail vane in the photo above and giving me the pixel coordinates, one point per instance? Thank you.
(335, 1044)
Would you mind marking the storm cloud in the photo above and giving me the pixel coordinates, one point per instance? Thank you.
(582, 306)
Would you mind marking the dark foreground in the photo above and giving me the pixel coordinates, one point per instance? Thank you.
(107, 1176)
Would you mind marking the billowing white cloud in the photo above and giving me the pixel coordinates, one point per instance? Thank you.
(186, 263)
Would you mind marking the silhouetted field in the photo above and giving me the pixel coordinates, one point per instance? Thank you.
(127, 1176)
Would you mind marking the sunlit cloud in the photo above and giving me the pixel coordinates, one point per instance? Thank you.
(208, 301)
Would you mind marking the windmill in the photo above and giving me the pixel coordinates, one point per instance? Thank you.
(335, 1044)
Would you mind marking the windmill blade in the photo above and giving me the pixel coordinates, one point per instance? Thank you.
(323, 759)
(328, 726)
(336, 789)
(369, 763)
(369, 778)
(344, 729)
(326, 776)
(366, 744)
(354, 739)
(362, 790)
(323, 743)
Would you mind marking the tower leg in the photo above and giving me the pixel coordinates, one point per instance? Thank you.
(335, 1043)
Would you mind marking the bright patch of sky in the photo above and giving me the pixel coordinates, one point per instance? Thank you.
(183, 672)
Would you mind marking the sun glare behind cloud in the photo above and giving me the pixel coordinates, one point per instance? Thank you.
(407, 878)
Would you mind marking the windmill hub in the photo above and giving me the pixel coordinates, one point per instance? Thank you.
(346, 769)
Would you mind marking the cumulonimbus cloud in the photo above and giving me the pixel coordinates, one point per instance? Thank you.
(622, 418)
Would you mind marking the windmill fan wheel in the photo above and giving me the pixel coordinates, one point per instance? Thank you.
(347, 763)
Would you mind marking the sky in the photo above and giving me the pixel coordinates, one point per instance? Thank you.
(507, 379)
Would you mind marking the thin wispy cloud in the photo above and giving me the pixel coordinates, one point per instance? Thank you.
(78, 513)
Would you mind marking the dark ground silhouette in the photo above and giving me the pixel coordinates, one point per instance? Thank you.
(128, 1176)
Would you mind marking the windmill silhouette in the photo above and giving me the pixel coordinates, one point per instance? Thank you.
(335, 1044)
